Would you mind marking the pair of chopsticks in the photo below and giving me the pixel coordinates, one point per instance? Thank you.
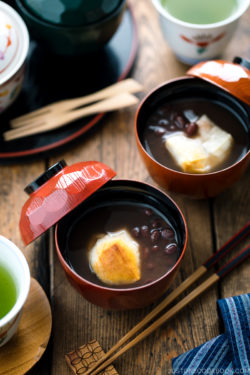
(107, 359)
(55, 115)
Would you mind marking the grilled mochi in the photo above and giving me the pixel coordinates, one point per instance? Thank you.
(115, 259)
(203, 152)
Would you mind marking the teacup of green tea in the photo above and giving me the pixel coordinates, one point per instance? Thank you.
(198, 30)
(14, 288)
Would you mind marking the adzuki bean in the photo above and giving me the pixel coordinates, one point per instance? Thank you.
(170, 248)
(167, 233)
(136, 232)
(155, 235)
(145, 231)
(191, 129)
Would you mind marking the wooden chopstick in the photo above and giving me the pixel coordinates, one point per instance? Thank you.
(228, 246)
(128, 85)
(233, 263)
(210, 262)
(56, 120)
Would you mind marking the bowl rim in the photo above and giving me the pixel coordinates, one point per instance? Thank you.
(54, 26)
(73, 273)
(194, 175)
(236, 15)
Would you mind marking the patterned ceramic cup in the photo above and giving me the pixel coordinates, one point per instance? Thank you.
(14, 263)
(193, 43)
(14, 44)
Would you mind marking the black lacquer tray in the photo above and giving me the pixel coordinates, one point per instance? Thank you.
(49, 79)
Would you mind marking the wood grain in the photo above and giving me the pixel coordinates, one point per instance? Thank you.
(54, 120)
(84, 357)
(210, 224)
(31, 339)
(171, 312)
(128, 85)
(14, 178)
(227, 222)
(114, 144)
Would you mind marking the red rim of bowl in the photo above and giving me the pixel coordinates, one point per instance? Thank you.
(80, 278)
(162, 165)
(96, 119)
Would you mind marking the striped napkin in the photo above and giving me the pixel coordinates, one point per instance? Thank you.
(226, 354)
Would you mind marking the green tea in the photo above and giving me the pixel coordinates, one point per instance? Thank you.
(200, 11)
(8, 293)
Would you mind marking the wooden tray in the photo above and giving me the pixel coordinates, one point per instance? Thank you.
(31, 339)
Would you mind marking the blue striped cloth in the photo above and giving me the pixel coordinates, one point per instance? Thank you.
(226, 354)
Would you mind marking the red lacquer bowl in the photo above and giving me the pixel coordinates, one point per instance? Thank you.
(134, 297)
(64, 193)
(195, 185)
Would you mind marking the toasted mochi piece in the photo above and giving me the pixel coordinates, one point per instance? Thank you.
(188, 153)
(216, 141)
(115, 259)
(204, 151)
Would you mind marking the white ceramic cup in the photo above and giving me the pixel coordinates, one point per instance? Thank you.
(193, 43)
(13, 260)
(14, 46)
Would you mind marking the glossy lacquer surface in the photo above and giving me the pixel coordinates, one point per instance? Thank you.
(203, 185)
(211, 222)
(45, 77)
(59, 195)
(66, 12)
(133, 296)
(233, 78)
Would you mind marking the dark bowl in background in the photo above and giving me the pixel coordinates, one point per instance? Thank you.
(119, 298)
(71, 13)
(192, 185)
(72, 40)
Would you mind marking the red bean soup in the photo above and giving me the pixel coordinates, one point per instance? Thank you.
(181, 115)
(156, 226)
(187, 109)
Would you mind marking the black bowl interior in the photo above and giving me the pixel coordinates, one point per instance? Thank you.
(123, 191)
(193, 88)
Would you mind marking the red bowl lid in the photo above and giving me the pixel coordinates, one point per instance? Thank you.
(57, 192)
(231, 77)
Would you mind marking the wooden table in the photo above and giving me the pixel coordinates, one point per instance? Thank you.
(210, 223)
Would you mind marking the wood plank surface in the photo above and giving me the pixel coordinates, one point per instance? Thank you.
(28, 345)
(210, 224)
(114, 144)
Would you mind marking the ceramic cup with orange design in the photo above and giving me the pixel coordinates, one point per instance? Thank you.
(199, 30)
(14, 45)
(14, 288)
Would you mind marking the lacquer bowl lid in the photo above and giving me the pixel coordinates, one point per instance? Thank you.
(231, 77)
(57, 192)
(14, 42)
(71, 13)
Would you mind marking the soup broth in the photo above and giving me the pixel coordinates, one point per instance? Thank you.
(157, 239)
(164, 121)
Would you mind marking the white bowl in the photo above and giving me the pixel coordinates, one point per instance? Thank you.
(14, 45)
(193, 43)
(13, 260)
